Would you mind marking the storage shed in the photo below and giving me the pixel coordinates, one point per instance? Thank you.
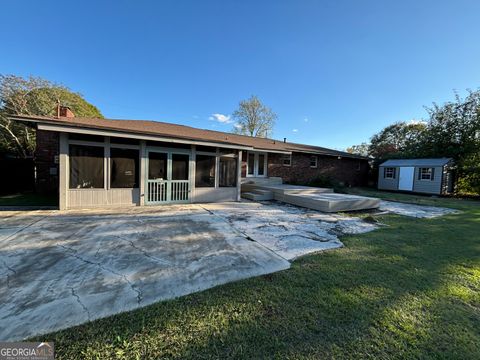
(430, 176)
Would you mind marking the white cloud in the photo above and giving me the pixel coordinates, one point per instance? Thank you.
(295, 130)
(237, 126)
(221, 118)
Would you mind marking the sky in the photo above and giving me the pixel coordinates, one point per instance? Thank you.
(335, 72)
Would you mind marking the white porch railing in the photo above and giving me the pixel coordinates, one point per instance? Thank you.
(167, 191)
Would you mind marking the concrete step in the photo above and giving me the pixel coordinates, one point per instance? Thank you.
(256, 196)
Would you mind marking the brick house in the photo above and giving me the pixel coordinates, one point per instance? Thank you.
(101, 162)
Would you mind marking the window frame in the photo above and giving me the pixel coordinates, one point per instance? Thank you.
(314, 157)
(137, 170)
(393, 173)
(105, 165)
(284, 157)
(430, 171)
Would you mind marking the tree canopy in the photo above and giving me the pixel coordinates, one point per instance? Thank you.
(33, 96)
(253, 118)
(451, 130)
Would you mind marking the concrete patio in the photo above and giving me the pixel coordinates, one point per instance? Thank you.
(60, 269)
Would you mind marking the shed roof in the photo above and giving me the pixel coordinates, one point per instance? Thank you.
(417, 162)
(147, 127)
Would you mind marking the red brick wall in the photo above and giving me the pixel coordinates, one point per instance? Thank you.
(350, 172)
(48, 146)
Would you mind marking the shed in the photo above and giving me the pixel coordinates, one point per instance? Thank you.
(430, 176)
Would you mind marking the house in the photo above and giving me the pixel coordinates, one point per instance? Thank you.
(100, 162)
(429, 176)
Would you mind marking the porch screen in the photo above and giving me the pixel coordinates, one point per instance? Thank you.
(227, 172)
(180, 167)
(124, 168)
(205, 171)
(86, 167)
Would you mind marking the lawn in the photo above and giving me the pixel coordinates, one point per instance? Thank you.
(409, 290)
(28, 199)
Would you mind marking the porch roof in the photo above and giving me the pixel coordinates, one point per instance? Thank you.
(174, 133)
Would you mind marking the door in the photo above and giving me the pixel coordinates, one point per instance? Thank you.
(168, 177)
(256, 164)
(405, 179)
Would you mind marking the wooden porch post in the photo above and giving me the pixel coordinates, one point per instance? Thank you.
(63, 173)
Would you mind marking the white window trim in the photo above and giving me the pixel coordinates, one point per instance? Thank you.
(256, 164)
(311, 158)
(430, 173)
(385, 173)
(283, 158)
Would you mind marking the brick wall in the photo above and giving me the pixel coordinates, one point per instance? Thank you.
(350, 172)
(48, 147)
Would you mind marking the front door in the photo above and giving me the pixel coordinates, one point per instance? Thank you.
(168, 178)
(405, 179)
(256, 164)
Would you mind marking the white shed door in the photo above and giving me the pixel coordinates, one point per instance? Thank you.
(405, 180)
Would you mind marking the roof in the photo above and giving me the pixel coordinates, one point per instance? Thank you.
(417, 162)
(157, 128)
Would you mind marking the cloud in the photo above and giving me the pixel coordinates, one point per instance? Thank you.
(237, 126)
(306, 119)
(221, 118)
(295, 130)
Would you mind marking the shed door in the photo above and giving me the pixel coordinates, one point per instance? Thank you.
(405, 180)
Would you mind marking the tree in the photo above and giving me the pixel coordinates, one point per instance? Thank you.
(33, 96)
(400, 138)
(253, 118)
(362, 149)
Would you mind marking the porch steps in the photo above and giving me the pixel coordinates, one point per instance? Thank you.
(258, 195)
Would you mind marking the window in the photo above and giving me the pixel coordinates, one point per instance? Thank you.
(227, 172)
(123, 168)
(157, 166)
(287, 160)
(205, 171)
(86, 167)
(180, 166)
(426, 174)
(251, 163)
(389, 173)
(261, 164)
(313, 161)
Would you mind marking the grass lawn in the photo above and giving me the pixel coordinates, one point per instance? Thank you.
(408, 290)
(28, 199)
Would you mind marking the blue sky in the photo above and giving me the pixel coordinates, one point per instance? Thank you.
(335, 72)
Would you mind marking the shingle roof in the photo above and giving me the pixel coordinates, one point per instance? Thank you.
(147, 127)
(417, 162)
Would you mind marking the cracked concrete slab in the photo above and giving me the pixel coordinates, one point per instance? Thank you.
(412, 210)
(63, 269)
(59, 269)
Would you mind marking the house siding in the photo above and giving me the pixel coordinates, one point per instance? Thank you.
(348, 171)
(47, 151)
(428, 186)
(388, 184)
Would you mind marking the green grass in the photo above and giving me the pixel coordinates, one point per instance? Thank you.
(28, 199)
(410, 290)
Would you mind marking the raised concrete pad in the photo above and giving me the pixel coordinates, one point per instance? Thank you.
(321, 199)
(331, 202)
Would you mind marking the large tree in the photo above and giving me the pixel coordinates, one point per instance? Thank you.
(253, 118)
(399, 138)
(33, 96)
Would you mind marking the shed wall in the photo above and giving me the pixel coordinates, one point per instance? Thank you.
(428, 186)
(388, 184)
